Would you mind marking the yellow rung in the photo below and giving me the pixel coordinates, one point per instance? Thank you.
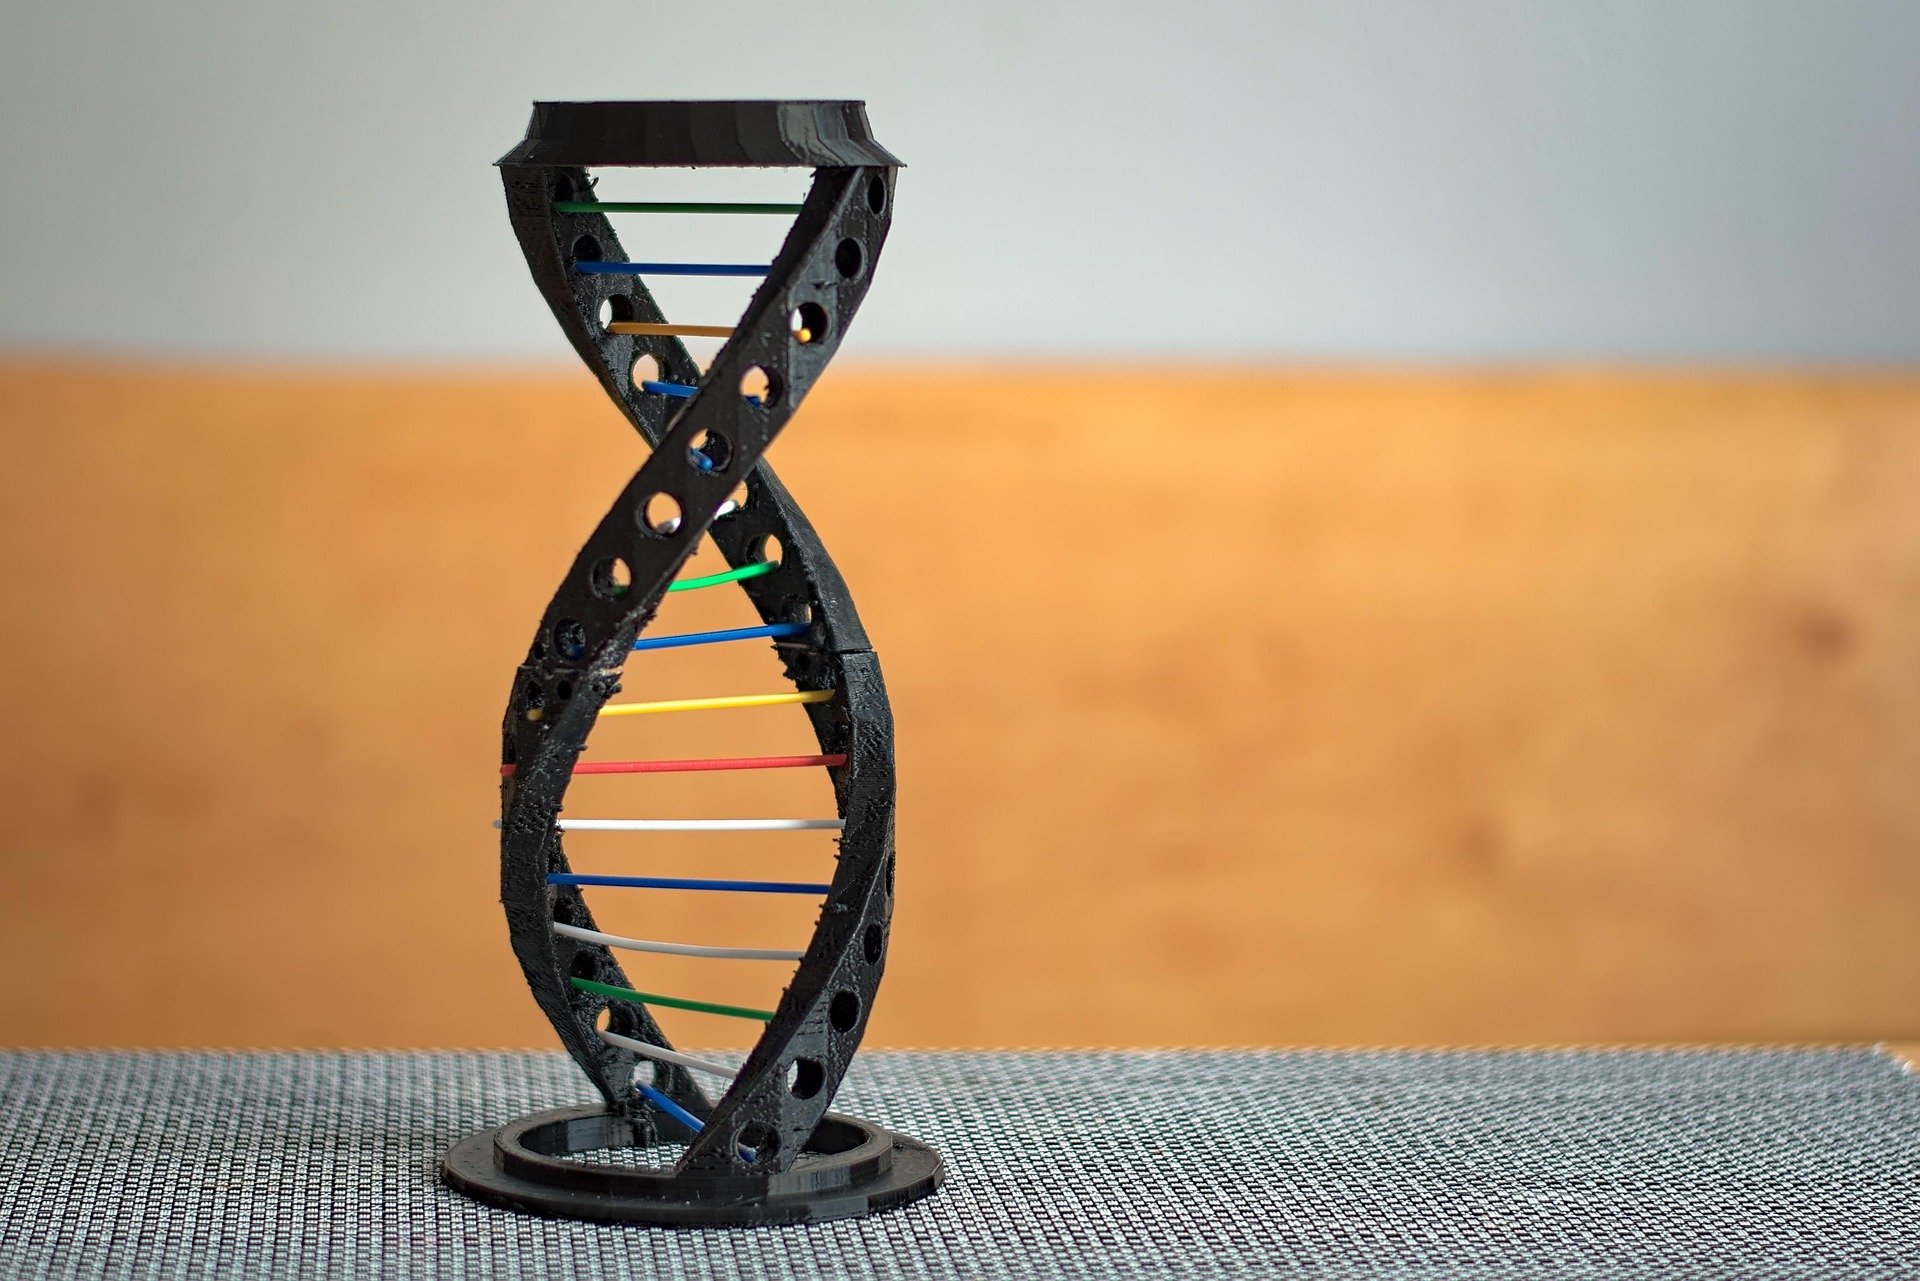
(645, 329)
(717, 704)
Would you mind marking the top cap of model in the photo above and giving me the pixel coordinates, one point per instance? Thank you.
(813, 134)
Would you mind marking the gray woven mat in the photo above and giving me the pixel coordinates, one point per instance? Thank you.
(1571, 1164)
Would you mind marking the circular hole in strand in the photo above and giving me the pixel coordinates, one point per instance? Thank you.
(808, 323)
(849, 257)
(877, 194)
(586, 964)
(660, 514)
(760, 1141)
(843, 1011)
(760, 386)
(570, 639)
(645, 370)
(562, 691)
(769, 550)
(603, 1017)
(618, 307)
(610, 578)
(710, 451)
(533, 701)
(873, 944)
(586, 249)
(736, 501)
(805, 1078)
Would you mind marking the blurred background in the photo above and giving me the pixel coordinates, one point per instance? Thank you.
(1385, 523)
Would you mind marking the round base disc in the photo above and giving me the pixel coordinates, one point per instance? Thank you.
(850, 1167)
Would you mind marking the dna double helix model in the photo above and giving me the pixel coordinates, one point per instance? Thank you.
(754, 1144)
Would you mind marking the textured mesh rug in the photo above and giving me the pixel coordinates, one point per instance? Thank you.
(1560, 1164)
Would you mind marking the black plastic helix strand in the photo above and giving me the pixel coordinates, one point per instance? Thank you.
(764, 1121)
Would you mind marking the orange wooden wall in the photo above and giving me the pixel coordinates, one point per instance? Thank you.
(1261, 708)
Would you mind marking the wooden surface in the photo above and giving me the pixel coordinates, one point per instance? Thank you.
(1255, 708)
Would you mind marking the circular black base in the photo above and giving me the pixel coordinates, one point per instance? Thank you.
(849, 1167)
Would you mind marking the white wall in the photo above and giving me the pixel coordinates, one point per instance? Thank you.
(1721, 179)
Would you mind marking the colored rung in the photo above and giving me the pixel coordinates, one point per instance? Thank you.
(714, 638)
(661, 1054)
(685, 392)
(726, 703)
(697, 766)
(670, 1002)
(684, 883)
(668, 1106)
(680, 1114)
(753, 570)
(579, 935)
(696, 824)
(669, 206)
(646, 329)
(670, 268)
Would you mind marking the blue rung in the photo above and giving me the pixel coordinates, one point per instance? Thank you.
(680, 1114)
(668, 1106)
(670, 268)
(714, 638)
(682, 883)
(681, 390)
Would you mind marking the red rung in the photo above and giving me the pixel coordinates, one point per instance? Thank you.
(691, 767)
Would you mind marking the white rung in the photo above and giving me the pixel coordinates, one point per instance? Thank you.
(664, 1055)
(675, 949)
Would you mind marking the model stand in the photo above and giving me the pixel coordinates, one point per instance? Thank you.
(766, 1150)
